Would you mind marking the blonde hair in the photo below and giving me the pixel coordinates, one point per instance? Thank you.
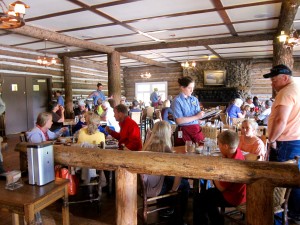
(252, 123)
(160, 139)
(93, 121)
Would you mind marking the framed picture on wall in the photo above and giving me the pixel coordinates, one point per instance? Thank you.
(214, 77)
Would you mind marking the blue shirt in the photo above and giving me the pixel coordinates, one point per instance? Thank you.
(61, 101)
(96, 95)
(233, 111)
(185, 107)
(154, 97)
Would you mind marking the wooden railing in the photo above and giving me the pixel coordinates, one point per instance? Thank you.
(260, 177)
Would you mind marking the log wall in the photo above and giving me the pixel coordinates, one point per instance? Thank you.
(84, 74)
(158, 74)
(244, 74)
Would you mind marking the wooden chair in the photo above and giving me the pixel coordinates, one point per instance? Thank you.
(280, 203)
(236, 121)
(137, 117)
(150, 205)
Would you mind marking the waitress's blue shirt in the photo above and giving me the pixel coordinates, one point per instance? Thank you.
(185, 107)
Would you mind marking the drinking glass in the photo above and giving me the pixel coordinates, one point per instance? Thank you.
(188, 146)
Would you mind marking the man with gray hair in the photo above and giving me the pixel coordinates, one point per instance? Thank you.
(263, 118)
(283, 126)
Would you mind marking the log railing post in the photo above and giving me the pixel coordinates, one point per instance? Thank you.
(126, 197)
(260, 195)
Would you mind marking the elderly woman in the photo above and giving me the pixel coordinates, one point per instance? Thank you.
(249, 142)
(90, 132)
(90, 135)
(41, 132)
(234, 110)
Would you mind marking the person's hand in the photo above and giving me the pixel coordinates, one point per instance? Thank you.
(62, 108)
(200, 114)
(126, 149)
(107, 129)
(272, 145)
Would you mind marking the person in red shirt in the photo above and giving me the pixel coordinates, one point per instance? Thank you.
(130, 132)
(224, 194)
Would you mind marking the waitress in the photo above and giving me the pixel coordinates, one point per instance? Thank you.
(186, 111)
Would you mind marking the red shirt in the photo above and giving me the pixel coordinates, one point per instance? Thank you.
(235, 193)
(129, 135)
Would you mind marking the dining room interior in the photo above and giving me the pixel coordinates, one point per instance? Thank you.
(131, 47)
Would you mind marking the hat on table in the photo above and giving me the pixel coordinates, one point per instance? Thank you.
(279, 69)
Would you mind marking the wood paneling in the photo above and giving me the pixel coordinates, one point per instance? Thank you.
(170, 74)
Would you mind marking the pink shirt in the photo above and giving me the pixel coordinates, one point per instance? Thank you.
(255, 146)
(289, 95)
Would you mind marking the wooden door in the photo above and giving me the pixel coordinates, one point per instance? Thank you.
(14, 96)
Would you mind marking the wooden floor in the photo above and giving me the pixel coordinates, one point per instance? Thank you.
(80, 214)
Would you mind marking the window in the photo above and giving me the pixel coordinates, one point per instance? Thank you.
(144, 90)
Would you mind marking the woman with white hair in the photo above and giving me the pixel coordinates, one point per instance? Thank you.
(234, 110)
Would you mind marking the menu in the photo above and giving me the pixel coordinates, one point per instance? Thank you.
(211, 113)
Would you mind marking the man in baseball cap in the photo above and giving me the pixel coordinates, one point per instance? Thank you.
(283, 126)
(277, 70)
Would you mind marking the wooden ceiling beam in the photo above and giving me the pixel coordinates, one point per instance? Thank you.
(79, 53)
(53, 36)
(199, 42)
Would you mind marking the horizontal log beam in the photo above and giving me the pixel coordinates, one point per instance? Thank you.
(193, 166)
(36, 32)
(79, 53)
(200, 42)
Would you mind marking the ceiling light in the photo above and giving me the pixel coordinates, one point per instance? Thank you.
(12, 16)
(289, 41)
(46, 61)
(187, 64)
(145, 75)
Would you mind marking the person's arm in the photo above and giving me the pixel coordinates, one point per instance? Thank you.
(62, 118)
(176, 184)
(91, 95)
(188, 119)
(219, 186)
(281, 115)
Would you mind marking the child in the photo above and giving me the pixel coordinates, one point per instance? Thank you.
(224, 194)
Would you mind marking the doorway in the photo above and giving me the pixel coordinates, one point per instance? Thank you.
(24, 97)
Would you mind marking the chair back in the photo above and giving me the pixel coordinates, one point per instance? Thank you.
(150, 111)
(136, 116)
(150, 203)
(236, 121)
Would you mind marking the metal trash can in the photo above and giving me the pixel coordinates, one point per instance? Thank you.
(40, 163)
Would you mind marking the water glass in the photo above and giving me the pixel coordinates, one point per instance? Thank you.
(189, 146)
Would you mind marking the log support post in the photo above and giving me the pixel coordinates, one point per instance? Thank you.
(260, 195)
(68, 87)
(126, 197)
(114, 77)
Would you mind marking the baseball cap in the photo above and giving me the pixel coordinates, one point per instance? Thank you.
(99, 84)
(279, 69)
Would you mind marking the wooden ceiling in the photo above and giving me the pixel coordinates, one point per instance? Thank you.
(164, 31)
